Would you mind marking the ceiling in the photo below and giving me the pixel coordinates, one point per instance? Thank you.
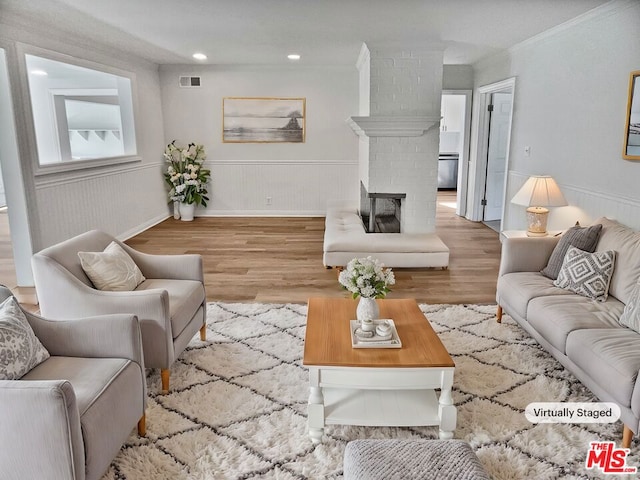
(323, 32)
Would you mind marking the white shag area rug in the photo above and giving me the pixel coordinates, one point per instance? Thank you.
(238, 403)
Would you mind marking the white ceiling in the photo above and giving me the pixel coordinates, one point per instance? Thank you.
(324, 32)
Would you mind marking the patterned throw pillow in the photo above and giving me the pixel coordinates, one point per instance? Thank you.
(631, 315)
(20, 349)
(112, 269)
(584, 238)
(587, 274)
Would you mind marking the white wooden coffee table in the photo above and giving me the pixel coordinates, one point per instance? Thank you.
(376, 386)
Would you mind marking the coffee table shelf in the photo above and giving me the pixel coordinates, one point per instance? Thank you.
(380, 408)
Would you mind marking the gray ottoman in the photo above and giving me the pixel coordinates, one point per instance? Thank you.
(411, 459)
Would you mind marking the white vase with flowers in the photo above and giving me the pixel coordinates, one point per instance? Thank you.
(368, 279)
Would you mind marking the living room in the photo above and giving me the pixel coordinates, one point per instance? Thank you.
(570, 99)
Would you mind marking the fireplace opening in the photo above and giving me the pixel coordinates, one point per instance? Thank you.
(380, 212)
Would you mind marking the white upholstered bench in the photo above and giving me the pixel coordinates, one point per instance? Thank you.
(345, 238)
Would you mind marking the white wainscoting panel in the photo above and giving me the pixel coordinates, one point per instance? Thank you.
(241, 187)
(584, 206)
(121, 202)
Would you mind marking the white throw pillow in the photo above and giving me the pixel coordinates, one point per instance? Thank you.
(112, 269)
(587, 274)
(20, 349)
(631, 315)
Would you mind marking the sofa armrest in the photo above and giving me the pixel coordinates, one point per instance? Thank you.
(530, 254)
(104, 336)
(177, 267)
(40, 435)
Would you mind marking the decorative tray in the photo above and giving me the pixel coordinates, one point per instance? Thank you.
(391, 340)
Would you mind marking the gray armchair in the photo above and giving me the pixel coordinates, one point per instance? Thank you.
(170, 304)
(69, 416)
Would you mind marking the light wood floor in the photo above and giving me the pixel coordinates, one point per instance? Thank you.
(267, 259)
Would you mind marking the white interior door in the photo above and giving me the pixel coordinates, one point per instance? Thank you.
(497, 155)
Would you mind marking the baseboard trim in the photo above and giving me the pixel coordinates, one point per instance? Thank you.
(141, 228)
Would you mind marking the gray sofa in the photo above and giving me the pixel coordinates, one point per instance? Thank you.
(584, 335)
(68, 417)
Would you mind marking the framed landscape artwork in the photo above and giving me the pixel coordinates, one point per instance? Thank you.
(263, 120)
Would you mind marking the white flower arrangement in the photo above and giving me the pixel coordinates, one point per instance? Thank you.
(185, 176)
(367, 277)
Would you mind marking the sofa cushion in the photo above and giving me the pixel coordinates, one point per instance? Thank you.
(587, 274)
(631, 315)
(185, 297)
(112, 270)
(626, 243)
(521, 287)
(555, 317)
(88, 376)
(584, 238)
(611, 357)
(20, 349)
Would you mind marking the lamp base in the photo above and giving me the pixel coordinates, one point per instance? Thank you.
(537, 221)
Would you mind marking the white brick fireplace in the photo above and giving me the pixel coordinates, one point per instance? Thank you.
(400, 94)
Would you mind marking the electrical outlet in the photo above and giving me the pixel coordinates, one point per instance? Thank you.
(527, 151)
(269, 200)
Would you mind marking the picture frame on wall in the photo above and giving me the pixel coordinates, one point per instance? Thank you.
(263, 120)
(631, 149)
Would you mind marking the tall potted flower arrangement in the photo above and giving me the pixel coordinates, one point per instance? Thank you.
(186, 177)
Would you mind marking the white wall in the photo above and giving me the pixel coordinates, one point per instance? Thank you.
(457, 77)
(298, 177)
(121, 200)
(569, 107)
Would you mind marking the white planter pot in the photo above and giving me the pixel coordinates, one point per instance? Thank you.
(186, 211)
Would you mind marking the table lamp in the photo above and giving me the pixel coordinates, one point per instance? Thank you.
(538, 192)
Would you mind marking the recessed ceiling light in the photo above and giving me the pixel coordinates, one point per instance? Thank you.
(293, 56)
(199, 56)
(42, 73)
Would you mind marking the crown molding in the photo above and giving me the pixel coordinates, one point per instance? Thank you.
(393, 126)
(603, 11)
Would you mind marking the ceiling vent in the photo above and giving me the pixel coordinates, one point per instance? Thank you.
(186, 82)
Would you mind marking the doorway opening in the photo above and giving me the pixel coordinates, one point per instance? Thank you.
(453, 162)
(494, 137)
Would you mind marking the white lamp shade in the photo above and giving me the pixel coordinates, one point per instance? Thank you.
(540, 191)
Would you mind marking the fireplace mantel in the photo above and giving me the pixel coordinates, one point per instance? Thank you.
(393, 126)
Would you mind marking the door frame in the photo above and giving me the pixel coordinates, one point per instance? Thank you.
(463, 160)
(508, 85)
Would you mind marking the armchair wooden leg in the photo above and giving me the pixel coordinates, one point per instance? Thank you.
(203, 332)
(142, 425)
(164, 374)
(627, 435)
(499, 314)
